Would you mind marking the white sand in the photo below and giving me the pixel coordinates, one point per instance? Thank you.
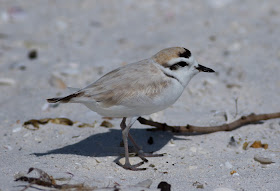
(78, 41)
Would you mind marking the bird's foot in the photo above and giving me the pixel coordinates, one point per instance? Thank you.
(143, 155)
(128, 166)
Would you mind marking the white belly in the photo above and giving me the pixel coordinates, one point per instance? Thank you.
(139, 107)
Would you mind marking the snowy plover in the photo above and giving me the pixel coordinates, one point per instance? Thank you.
(137, 89)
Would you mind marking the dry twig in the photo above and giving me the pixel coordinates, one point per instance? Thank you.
(48, 181)
(244, 120)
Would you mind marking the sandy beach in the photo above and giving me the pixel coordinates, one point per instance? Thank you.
(47, 46)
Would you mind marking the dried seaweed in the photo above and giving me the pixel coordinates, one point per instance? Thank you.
(245, 145)
(233, 172)
(34, 124)
(198, 185)
(82, 125)
(106, 124)
(258, 144)
(46, 180)
(62, 121)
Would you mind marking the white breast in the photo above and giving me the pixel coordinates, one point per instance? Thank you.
(140, 106)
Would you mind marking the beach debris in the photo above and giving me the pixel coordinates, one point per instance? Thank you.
(106, 124)
(152, 165)
(232, 142)
(258, 144)
(234, 173)
(8, 147)
(36, 122)
(224, 114)
(32, 54)
(145, 184)
(150, 141)
(108, 118)
(7, 82)
(43, 179)
(198, 185)
(232, 85)
(245, 146)
(82, 125)
(243, 120)
(164, 186)
(76, 136)
(47, 180)
(62, 121)
(263, 160)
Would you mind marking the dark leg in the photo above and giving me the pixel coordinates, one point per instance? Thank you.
(138, 149)
(140, 152)
(125, 131)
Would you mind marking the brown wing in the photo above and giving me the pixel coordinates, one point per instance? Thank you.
(134, 82)
(129, 85)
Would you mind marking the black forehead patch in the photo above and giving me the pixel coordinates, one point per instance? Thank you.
(185, 54)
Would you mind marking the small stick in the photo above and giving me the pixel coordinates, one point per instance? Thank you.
(236, 106)
(244, 120)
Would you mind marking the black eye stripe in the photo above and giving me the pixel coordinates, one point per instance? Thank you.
(174, 67)
(177, 65)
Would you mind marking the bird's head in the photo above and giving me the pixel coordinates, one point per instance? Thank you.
(179, 62)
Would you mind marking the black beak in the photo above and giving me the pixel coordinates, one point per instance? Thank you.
(204, 69)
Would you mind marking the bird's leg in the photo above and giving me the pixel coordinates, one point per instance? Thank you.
(125, 131)
(138, 149)
(140, 152)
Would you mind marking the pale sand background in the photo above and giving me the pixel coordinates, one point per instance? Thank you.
(79, 41)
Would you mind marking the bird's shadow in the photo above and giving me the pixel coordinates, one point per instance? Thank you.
(108, 144)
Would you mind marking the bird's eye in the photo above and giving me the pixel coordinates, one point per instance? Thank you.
(178, 65)
(182, 64)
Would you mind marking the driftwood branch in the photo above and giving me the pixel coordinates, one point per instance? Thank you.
(244, 120)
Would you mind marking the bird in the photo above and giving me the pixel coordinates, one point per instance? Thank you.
(141, 88)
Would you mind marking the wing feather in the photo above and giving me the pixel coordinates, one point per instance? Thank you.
(130, 85)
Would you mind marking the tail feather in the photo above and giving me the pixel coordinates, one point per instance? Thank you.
(64, 99)
(54, 100)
